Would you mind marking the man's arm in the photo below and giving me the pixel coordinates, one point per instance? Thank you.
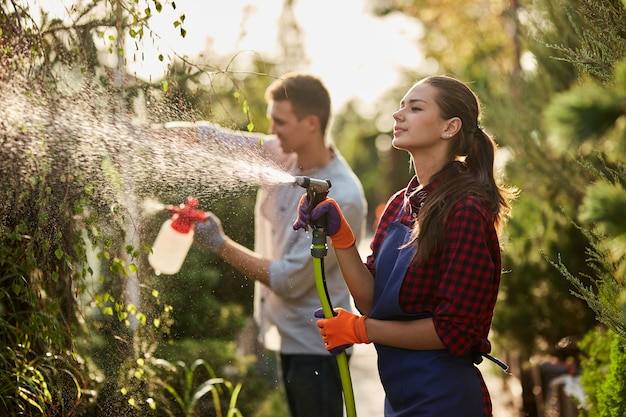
(246, 261)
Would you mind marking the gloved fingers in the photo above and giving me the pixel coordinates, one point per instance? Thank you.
(328, 206)
(304, 215)
(319, 313)
(335, 219)
(331, 347)
(209, 234)
(338, 228)
(346, 327)
(340, 232)
(334, 348)
(342, 312)
(201, 228)
(212, 220)
(337, 350)
(326, 325)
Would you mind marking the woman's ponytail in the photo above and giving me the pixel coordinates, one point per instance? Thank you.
(480, 154)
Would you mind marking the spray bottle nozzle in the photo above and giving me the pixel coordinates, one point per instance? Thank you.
(185, 215)
(313, 184)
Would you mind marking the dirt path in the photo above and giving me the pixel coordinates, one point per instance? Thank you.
(368, 393)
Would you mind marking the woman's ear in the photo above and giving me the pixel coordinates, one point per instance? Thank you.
(453, 126)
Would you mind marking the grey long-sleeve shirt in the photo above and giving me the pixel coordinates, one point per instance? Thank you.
(284, 311)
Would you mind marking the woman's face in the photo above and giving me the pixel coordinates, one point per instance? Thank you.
(418, 125)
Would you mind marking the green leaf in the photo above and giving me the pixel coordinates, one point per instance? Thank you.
(17, 289)
(204, 389)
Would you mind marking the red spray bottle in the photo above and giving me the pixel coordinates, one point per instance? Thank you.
(175, 238)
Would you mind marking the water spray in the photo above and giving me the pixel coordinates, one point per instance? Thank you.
(175, 237)
(317, 191)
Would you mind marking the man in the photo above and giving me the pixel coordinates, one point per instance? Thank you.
(281, 264)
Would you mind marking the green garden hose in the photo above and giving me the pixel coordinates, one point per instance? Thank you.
(318, 251)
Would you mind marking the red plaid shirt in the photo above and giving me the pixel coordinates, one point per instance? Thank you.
(458, 285)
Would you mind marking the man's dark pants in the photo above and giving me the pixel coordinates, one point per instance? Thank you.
(313, 385)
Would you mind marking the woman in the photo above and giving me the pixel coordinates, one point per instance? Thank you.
(428, 290)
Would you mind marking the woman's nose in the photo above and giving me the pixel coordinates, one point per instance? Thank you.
(397, 115)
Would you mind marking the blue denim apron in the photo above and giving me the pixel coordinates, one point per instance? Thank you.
(417, 383)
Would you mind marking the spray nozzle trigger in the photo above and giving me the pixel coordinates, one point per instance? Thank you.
(316, 189)
(186, 215)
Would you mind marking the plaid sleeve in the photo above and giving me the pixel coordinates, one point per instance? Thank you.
(467, 292)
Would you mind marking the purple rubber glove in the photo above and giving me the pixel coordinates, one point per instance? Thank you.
(338, 229)
(304, 215)
(319, 313)
(209, 235)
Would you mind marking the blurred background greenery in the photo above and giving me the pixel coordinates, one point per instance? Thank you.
(553, 85)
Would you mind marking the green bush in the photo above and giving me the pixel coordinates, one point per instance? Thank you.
(603, 377)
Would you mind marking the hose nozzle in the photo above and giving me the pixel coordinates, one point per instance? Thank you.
(313, 184)
(316, 192)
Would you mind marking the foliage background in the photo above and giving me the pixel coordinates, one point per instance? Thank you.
(553, 97)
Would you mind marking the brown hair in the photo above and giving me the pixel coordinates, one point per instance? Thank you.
(470, 169)
(307, 94)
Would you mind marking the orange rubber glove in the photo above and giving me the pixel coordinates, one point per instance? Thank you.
(339, 231)
(343, 329)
